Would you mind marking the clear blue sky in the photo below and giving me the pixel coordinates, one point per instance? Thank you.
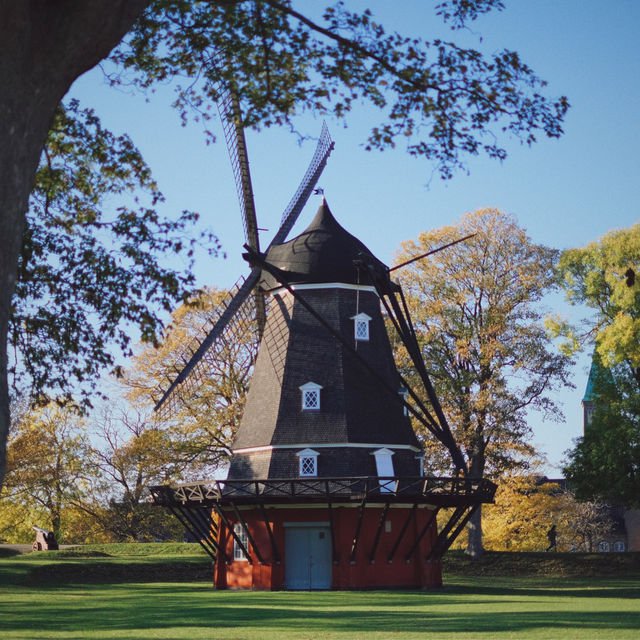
(565, 192)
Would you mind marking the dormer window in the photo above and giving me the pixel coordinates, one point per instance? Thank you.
(310, 396)
(384, 466)
(361, 327)
(307, 463)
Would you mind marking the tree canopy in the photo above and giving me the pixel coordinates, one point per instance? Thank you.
(476, 308)
(49, 466)
(528, 505)
(91, 267)
(604, 464)
(442, 99)
(446, 101)
(604, 276)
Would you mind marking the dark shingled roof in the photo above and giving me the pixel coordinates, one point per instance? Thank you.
(296, 349)
(324, 252)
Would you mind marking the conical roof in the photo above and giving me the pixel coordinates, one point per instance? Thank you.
(599, 376)
(323, 252)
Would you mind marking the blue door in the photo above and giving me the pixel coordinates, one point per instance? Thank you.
(308, 558)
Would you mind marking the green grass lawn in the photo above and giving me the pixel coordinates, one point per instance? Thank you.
(90, 594)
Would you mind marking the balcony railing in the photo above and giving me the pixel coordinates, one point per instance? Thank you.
(440, 491)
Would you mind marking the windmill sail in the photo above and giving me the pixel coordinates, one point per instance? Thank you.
(239, 306)
(231, 117)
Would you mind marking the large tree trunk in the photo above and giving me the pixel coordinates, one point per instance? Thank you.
(45, 46)
(474, 526)
(474, 535)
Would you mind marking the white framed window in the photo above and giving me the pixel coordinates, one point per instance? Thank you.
(604, 546)
(361, 327)
(384, 467)
(619, 546)
(310, 396)
(307, 463)
(590, 410)
(404, 394)
(241, 532)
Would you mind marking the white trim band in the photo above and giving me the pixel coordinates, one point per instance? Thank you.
(336, 445)
(327, 285)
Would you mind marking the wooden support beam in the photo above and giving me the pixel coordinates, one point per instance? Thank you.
(274, 548)
(185, 522)
(201, 523)
(421, 535)
(356, 537)
(405, 526)
(442, 536)
(205, 521)
(444, 547)
(376, 539)
(252, 542)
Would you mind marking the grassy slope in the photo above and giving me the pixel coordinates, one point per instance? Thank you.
(137, 592)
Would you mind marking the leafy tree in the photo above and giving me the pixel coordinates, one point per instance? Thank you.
(48, 465)
(442, 98)
(590, 524)
(206, 415)
(17, 519)
(476, 308)
(85, 275)
(604, 464)
(523, 513)
(605, 276)
(132, 456)
(526, 507)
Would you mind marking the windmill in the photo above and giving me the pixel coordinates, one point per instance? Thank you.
(326, 486)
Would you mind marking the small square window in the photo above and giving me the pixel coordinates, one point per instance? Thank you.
(310, 396)
(361, 327)
(308, 463)
(311, 399)
(241, 533)
(308, 466)
(362, 330)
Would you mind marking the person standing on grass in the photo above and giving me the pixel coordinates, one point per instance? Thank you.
(551, 536)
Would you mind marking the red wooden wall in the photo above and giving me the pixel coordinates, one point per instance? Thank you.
(359, 574)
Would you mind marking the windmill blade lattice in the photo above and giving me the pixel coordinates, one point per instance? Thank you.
(200, 356)
(316, 167)
(229, 110)
(231, 118)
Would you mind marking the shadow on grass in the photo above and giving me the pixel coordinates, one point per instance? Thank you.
(134, 608)
(622, 588)
(73, 570)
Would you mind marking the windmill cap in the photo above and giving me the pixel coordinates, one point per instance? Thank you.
(323, 252)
